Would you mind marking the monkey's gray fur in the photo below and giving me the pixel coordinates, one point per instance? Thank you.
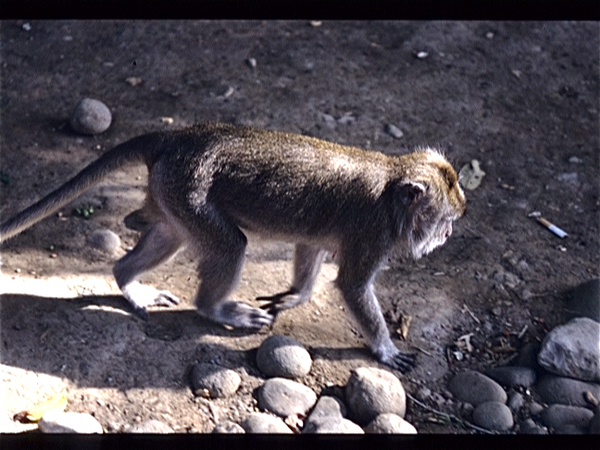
(208, 183)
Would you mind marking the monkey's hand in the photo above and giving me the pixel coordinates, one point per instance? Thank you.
(402, 361)
(280, 302)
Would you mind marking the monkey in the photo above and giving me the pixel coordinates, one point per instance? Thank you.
(210, 184)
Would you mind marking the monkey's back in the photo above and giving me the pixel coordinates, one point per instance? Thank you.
(274, 182)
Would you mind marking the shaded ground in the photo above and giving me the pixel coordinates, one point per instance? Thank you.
(521, 98)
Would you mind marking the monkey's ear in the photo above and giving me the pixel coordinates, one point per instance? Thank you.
(412, 192)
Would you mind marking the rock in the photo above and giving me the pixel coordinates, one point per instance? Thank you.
(281, 356)
(327, 406)
(90, 117)
(475, 388)
(584, 300)
(371, 392)
(595, 422)
(565, 391)
(572, 350)
(264, 423)
(493, 416)
(210, 380)
(329, 425)
(69, 422)
(285, 397)
(512, 376)
(228, 427)
(569, 429)
(104, 240)
(151, 427)
(528, 426)
(557, 416)
(515, 401)
(393, 130)
(390, 424)
(535, 408)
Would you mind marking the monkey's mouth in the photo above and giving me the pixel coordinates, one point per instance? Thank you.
(426, 246)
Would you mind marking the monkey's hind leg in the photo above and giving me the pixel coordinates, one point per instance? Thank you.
(222, 246)
(158, 243)
(307, 263)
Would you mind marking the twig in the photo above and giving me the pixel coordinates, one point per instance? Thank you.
(450, 417)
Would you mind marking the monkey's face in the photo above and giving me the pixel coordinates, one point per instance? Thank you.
(440, 202)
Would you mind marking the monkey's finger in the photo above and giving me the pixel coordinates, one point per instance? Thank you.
(165, 298)
(404, 362)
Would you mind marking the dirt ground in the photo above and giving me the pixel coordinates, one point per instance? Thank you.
(521, 98)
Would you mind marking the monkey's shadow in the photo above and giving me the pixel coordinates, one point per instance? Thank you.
(97, 341)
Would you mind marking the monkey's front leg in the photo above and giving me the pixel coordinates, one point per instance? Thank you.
(307, 263)
(355, 280)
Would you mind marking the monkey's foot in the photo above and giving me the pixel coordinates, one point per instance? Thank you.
(238, 315)
(402, 361)
(140, 297)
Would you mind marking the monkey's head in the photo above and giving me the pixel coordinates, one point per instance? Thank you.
(433, 201)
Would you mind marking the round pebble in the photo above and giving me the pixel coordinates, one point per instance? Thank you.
(493, 416)
(104, 240)
(228, 427)
(210, 380)
(371, 392)
(264, 423)
(535, 408)
(595, 422)
(390, 424)
(475, 388)
(572, 350)
(528, 426)
(393, 130)
(557, 416)
(285, 397)
(151, 427)
(69, 422)
(515, 401)
(327, 406)
(90, 117)
(511, 376)
(282, 356)
(565, 391)
(335, 425)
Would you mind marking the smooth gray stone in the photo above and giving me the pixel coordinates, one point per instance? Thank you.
(475, 388)
(512, 376)
(327, 407)
(565, 391)
(515, 401)
(264, 423)
(214, 381)
(557, 416)
(371, 392)
(285, 397)
(228, 427)
(90, 117)
(151, 427)
(584, 300)
(528, 426)
(69, 422)
(389, 424)
(104, 240)
(335, 425)
(573, 350)
(281, 356)
(595, 422)
(493, 416)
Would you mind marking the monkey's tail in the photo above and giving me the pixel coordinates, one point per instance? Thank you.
(139, 149)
